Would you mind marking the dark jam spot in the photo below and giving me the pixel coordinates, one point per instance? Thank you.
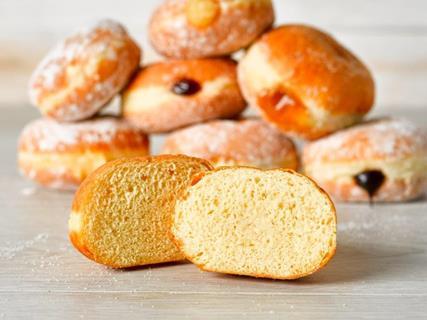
(371, 181)
(186, 87)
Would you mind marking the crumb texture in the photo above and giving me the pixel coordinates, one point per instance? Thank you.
(125, 209)
(274, 224)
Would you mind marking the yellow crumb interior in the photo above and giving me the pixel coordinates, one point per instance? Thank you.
(261, 223)
(126, 219)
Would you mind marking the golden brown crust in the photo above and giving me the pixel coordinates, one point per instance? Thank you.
(199, 177)
(59, 156)
(207, 28)
(81, 199)
(229, 142)
(305, 82)
(150, 103)
(84, 72)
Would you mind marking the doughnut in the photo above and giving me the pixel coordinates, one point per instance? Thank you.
(383, 160)
(121, 213)
(249, 142)
(304, 82)
(263, 223)
(61, 155)
(169, 95)
(185, 29)
(84, 72)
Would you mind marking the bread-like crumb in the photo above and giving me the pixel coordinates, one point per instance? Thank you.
(273, 224)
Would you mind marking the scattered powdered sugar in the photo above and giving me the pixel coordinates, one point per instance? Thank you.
(48, 135)
(28, 191)
(247, 141)
(12, 249)
(381, 138)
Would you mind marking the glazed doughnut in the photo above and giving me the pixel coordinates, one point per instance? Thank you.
(173, 94)
(60, 156)
(248, 142)
(383, 160)
(84, 72)
(208, 28)
(304, 82)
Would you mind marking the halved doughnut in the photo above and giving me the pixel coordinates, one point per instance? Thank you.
(273, 224)
(121, 213)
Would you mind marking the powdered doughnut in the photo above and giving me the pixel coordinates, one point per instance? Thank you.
(208, 28)
(84, 72)
(384, 160)
(60, 156)
(249, 142)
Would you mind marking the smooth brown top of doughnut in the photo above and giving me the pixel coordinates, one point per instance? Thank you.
(380, 139)
(100, 134)
(319, 77)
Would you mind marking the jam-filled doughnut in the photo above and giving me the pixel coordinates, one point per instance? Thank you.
(208, 28)
(60, 156)
(249, 142)
(84, 72)
(305, 82)
(176, 93)
(383, 160)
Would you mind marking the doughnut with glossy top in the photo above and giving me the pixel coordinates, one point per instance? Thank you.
(208, 28)
(84, 72)
(172, 94)
(304, 82)
(383, 160)
(60, 156)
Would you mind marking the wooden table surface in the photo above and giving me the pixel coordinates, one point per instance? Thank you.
(379, 271)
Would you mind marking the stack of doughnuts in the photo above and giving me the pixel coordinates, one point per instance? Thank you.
(70, 86)
(301, 82)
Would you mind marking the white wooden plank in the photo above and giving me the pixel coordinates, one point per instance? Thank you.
(207, 306)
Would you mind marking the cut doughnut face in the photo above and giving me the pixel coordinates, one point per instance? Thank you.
(121, 213)
(274, 224)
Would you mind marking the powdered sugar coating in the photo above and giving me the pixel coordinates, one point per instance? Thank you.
(380, 139)
(238, 24)
(245, 142)
(46, 135)
(83, 72)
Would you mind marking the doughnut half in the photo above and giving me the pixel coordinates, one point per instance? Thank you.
(395, 148)
(272, 224)
(121, 213)
(84, 72)
(304, 82)
(250, 142)
(169, 95)
(208, 28)
(60, 156)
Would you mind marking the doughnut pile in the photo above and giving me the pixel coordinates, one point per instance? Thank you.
(76, 79)
(224, 193)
